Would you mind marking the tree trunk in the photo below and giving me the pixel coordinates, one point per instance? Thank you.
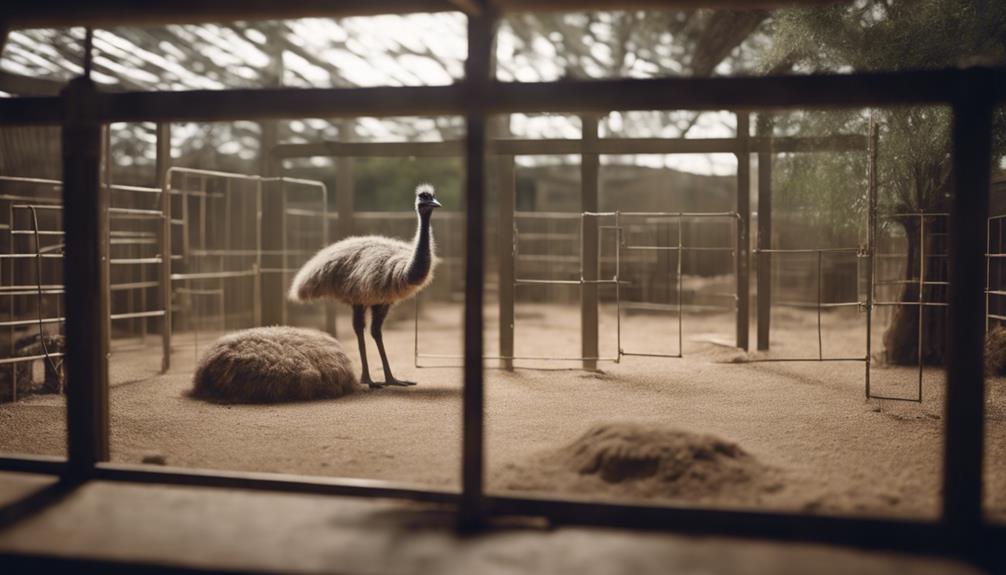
(901, 340)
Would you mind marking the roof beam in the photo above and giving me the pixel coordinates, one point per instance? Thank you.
(101, 13)
(731, 93)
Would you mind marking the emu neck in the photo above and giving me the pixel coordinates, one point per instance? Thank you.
(422, 257)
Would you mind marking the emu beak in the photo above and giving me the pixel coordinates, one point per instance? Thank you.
(435, 203)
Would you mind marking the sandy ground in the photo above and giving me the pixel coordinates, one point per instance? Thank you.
(829, 449)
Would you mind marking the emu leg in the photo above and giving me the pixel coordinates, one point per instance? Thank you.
(378, 313)
(360, 327)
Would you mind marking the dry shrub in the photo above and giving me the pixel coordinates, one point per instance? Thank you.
(272, 365)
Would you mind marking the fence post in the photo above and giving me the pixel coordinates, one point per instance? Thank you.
(764, 131)
(965, 378)
(589, 257)
(506, 189)
(743, 248)
(481, 30)
(164, 293)
(344, 208)
(86, 282)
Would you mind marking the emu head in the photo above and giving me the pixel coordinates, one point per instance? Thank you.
(426, 199)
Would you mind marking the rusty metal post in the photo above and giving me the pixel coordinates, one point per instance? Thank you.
(164, 292)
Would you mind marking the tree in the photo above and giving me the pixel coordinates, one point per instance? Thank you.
(914, 166)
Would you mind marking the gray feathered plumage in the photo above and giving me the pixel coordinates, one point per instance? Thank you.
(271, 365)
(370, 270)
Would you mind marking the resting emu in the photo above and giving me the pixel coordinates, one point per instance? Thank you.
(372, 271)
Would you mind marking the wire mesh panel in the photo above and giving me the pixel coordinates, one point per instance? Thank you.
(33, 273)
(218, 259)
(910, 302)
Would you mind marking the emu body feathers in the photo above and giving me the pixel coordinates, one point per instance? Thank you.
(362, 270)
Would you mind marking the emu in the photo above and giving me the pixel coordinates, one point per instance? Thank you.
(374, 272)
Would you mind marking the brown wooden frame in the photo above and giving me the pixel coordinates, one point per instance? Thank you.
(972, 93)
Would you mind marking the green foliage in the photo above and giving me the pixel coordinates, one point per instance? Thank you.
(386, 184)
(914, 162)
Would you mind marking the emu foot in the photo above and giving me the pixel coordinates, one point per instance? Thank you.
(399, 382)
(370, 383)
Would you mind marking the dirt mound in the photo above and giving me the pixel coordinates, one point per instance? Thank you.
(272, 365)
(638, 460)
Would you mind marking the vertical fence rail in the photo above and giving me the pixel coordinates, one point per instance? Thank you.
(871, 244)
(743, 230)
(481, 31)
(589, 202)
(86, 284)
(965, 378)
(764, 234)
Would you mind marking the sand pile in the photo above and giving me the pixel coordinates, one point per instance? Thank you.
(273, 364)
(635, 460)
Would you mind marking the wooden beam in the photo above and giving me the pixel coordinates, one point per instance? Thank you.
(27, 86)
(742, 249)
(590, 181)
(965, 375)
(737, 93)
(105, 13)
(86, 282)
(472, 508)
(582, 5)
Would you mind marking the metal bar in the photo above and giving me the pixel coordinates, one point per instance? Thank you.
(134, 261)
(965, 393)
(574, 358)
(764, 272)
(27, 358)
(743, 255)
(820, 344)
(802, 359)
(137, 314)
(214, 275)
(680, 273)
(86, 284)
(809, 251)
(506, 192)
(163, 165)
(589, 235)
(618, 285)
(895, 398)
(922, 297)
(907, 303)
(20, 322)
(823, 305)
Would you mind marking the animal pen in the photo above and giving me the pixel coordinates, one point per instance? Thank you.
(168, 247)
(211, 282)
